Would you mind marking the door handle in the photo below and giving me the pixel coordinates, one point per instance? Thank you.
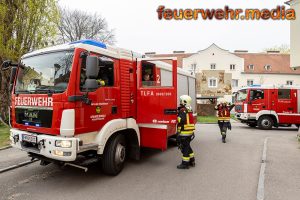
(170, 111)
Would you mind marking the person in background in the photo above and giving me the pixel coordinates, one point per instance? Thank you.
(185, 132)
(146, 79)
(223, 112)
(258, 95)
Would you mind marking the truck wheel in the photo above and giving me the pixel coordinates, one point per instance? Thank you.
(114, 156)
(265, 123)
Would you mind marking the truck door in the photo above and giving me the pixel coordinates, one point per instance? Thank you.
(258, 100)
(286, 105)
(104, 100)
(156, 101)
(157, 91)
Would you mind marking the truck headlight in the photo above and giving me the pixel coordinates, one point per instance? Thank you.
(63, 143)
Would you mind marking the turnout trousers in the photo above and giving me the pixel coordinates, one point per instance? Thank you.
(224, 126)
(186, 149)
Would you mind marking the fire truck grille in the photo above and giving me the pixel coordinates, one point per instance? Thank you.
(32, 117)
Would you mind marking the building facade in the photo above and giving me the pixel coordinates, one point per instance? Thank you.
(218, 72)
(295, 32)
(268, 68)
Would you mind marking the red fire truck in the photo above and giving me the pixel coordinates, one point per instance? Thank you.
(268, 106)
(87, 99)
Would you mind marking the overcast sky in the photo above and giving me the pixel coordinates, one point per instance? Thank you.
(137, 26)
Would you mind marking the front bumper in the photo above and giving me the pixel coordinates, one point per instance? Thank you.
(246, 116)
(45, 145)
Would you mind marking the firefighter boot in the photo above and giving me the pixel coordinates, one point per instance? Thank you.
(183, 165)
(192, 162)
(224, 138)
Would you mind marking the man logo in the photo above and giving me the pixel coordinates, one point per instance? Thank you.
(31, 114)
(98, 109)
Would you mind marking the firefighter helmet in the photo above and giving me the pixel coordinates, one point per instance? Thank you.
(185, 100)
(222, 101)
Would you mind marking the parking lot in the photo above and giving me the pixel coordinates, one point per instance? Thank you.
(228, 171)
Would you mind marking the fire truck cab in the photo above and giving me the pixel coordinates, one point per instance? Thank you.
(89, 99)
(268, 106)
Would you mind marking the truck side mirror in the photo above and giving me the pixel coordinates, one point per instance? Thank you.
(6, 64)
(13, 73)
(92, 70)
(92, 67)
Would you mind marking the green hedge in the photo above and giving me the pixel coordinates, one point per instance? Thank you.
(4, 135)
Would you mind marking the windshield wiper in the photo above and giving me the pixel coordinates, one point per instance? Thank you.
(48, 91)
(22, 92)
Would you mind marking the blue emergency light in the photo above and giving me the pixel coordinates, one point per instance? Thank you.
(90, 42)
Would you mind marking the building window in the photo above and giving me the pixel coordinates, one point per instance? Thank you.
(232, 67)
(250, 82)
(212, 83)
(268, 67)
(212, 66)
(251, 67)
(235, 83)
(193, 67)
(289, 82)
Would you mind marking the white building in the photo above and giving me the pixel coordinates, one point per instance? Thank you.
(295, 35)
(215, 58)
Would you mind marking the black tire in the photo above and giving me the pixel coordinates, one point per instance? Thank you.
(253, 125)
(265, 123)
(114, 155)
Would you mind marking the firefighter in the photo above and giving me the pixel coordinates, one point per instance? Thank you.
(185, 132)
(223, 111)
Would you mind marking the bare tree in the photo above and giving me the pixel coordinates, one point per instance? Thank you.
(284, 48)
(77, 25)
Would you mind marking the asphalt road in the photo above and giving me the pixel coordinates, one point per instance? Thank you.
(224, 171)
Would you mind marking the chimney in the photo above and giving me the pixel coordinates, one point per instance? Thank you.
(241, 51)
(150, 53)
(274, 52)
(178, 52)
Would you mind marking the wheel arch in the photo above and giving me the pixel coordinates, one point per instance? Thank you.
(270, 113)
(127, 127)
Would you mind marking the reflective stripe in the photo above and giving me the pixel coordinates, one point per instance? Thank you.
(192, 155)
(187, 118)
(186, 159)
(224, 118)
(178, 119)
(223, 133)
(186, 133)
(190, 127)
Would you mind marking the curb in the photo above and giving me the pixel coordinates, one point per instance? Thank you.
(4, 148)
(17, 166)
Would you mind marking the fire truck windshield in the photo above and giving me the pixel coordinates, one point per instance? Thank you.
(45, 73)
(241, 95)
